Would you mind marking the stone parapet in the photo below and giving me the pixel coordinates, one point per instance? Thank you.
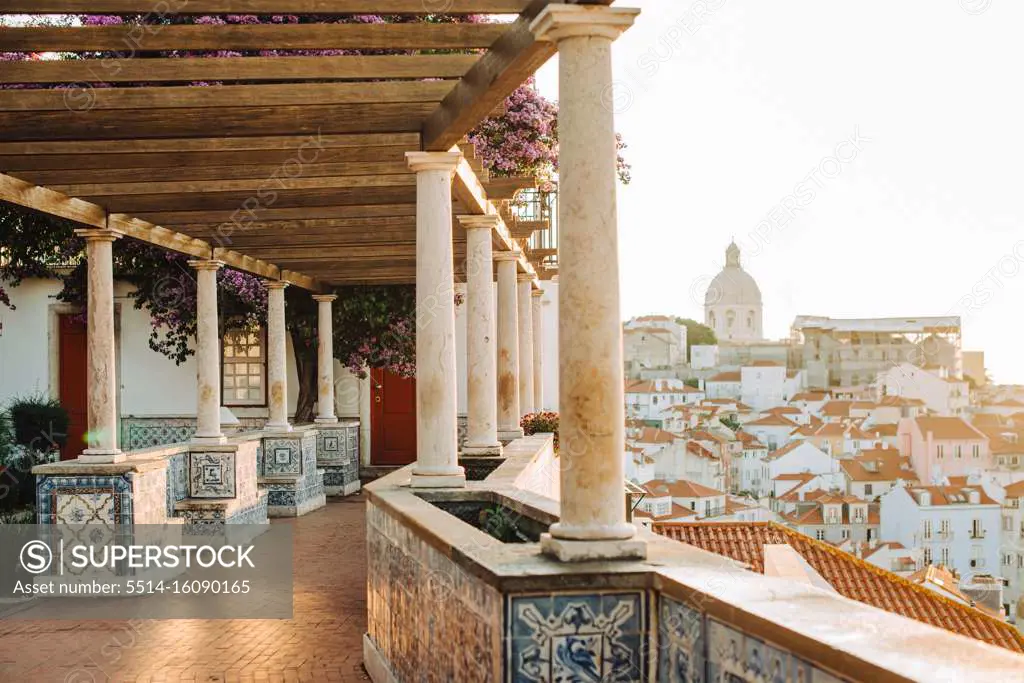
(289, 474)
(680, 614)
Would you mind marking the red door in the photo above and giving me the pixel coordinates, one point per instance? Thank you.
(392, 419)
(73, 384)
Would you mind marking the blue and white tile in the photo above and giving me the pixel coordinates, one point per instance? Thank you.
(212, 474)
(680, 642)
(576, 637)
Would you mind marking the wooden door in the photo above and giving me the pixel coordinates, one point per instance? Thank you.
(392, 419)
(73, 383)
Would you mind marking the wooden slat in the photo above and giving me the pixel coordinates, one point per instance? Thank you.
(347, 67)
(145, 123)
(133, 38)
(238, 218)
(80, 99)
(212, 144)
(173, 161)
(186, 172)
(250, 185)
(509, 62)
(324, 7)
(238, 201)
(374, 227)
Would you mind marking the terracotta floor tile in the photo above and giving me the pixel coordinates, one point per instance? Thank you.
(323, 640)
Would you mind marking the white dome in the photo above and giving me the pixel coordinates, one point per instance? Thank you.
(733, 286)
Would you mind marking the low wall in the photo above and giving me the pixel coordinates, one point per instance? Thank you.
(448, 601)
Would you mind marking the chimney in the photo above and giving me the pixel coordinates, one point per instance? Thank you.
(974, 497)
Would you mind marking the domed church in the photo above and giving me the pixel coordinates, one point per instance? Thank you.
(732, 304)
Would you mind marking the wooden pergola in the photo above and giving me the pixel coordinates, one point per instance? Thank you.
(294, 166)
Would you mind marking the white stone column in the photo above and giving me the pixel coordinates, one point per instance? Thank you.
(208, 429)
(437, 457)
(481, 338)
(325, 359)
(277, 367)
(508, 347)
(538, 350)
(525, 307)
(592, 523)
(101, 372)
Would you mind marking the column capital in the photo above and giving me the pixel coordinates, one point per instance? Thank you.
(537, 293)
(558, 22)
(433, 161)
(99, 234)
(507, 255)
(524, 277)
(490, 221)
(325, 298)
(206, 264)
(275, 284)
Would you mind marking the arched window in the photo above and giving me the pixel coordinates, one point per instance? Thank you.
(711, 320)
(750, 320)
(730, 318)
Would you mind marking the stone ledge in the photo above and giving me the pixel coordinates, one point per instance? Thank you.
(817, 626)
(76, 467)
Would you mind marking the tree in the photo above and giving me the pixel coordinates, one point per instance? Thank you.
(697, 333)
(692, 382)
(730, 422)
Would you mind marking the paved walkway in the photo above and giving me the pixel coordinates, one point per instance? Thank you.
(323, 642)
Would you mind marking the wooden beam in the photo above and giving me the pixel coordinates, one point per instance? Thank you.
(521, 230)
(186, 173)
(26, 194)
(236, 218)
(133, 38)
(243, 202)
(146, 123)
(57, 204)
(368, 226)
(212, 144)
(322, 7)
(80, 100)
(509, 62)
(189, 161)
(506, 188)
(247, 185)
(347, 67)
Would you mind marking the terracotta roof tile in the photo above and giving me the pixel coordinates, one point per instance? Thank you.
(850, 576)
(943, 427)
(878, 464)
(681, 488)
(772, 420)
(725, 377)
(1015, 490)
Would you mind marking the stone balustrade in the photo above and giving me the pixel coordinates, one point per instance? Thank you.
(449, 601)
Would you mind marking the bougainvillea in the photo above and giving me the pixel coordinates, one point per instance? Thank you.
(374, 326)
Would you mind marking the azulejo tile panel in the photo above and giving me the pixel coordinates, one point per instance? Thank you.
(576, 637)
(737, 657)
(680, 642)
(141, 433)
(212, 474)
(102, 500)
(281, 457)
(177, 480)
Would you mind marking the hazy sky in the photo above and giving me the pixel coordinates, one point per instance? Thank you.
(727, 116)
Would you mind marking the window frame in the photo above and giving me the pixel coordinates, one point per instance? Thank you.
(231, 401)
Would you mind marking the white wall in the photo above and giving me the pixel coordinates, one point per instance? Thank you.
(24, 349)
(151, 384)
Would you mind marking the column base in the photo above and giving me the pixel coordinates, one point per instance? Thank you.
(102, 456)
(277, 427)
(438, 481)
(590, 551)
(481, 450)
(510, 434)
(325, 420)
(209, 440)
